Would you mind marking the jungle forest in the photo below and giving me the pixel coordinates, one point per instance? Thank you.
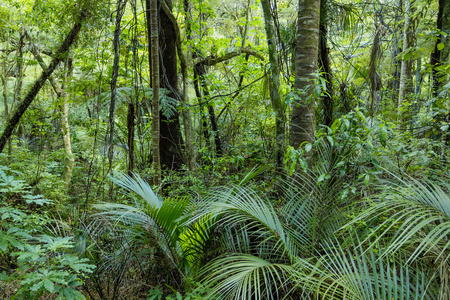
(214, 149)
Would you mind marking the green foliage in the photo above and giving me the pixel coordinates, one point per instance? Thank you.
(39, 263)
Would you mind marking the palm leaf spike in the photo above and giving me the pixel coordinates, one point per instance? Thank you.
(138, 186)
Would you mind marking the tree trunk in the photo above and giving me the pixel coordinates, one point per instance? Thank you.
(302, 122)
(375, 79)
(5, 98)
(130, 126)
(115, 73)
(171, 140)
(59, 56)
(395, 57)
(274, 83)
(153, 47)
(61, 94)
(325, 66)
(440, 55)
(191, 155)
(201, 76)
(65, 128)
(446, 29)
(405, 74)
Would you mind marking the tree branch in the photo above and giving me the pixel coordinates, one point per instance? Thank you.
(60, 55)
(213, 60)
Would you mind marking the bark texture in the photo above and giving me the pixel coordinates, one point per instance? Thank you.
(152, 27)
(302, 122)
(115, 73)
(171, 140)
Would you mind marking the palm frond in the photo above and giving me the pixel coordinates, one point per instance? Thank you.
(352, 272)
(244, 276)
(138, 186)
(238, 207)
(416, 214)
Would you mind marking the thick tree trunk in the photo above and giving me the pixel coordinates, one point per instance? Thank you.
(302, 122)
(446, 29)
(59, 56)
(440, 55)
(274, 83)
(171, 140)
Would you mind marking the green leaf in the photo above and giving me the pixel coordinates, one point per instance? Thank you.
(70, 294)
(49, 285)
(321, 177)
(366, 179)
(330, 139)
(308, 147)
(440, 46)
(291, 170)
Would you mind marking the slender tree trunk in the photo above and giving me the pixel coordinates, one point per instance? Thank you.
(405, 74)
(131, 114)
(395, 56)
(18, 89)
(5, 98)
(153, 47)
(186, 112)
(325, 65)
(274, 83)
(130, 126)
(212, 114)
(115, 73)
(375, 80)
(65, 127)
(302, 122)
(61, 94)
(198, 94)
(59, 56)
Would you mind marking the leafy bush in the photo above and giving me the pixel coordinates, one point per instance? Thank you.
(35, 262)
